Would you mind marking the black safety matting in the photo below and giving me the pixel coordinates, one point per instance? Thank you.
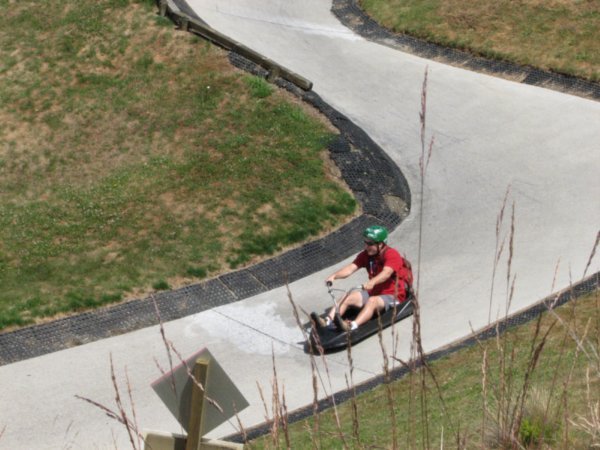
(87, 327)
(365, 167)
(294, 264)
(352, 16)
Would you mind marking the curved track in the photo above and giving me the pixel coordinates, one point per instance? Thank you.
(491, 136)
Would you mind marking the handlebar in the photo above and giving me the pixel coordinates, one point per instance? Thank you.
(329, 285)
(331, 290)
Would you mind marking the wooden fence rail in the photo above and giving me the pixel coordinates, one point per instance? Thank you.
(187, 23)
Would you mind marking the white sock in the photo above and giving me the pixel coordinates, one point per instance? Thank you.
(353, 325)
(328, 321)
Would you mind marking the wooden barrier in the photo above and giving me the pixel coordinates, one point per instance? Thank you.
(187, 23)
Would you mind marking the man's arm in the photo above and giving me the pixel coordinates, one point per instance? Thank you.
(344, 272)
(384, 275)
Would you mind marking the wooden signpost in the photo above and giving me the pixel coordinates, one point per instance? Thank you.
(200, 403)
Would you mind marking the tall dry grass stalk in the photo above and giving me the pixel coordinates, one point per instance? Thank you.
(597, 334)
(570, 336)
(279, 419)
(121, 415)
(313, 369)
(388, 386)
(499, 248)
(424, 159)
(534, 357)
(316, 374)
(351, 387)
(498, 251)
(485, 367)
(167, 345)
(586, 343)
(590, 423)
(513, 419)
(589, 347)
(419, 361)
(504, 391)
(509, 395)
(418, 366)
(416, 352)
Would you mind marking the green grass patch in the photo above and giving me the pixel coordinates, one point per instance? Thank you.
(556, 35)
(134, 157)
(259, 87)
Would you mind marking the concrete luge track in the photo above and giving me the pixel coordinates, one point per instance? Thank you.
(491, 135)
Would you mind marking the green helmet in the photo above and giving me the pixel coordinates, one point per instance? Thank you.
(376, 233)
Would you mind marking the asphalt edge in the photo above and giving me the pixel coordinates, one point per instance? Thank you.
(350, 14)
(361, 163)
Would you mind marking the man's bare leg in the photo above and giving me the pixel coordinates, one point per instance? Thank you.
(374, 304)
(353, 299)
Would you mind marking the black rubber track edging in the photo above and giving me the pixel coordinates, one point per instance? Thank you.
(354, 17)
(376, 183)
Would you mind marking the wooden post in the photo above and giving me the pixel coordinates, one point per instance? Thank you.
(273, 73)
(184, 23)
(195, 429)
(156, 440)
(163, 8)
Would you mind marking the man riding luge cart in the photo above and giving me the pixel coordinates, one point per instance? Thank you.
(384, 299)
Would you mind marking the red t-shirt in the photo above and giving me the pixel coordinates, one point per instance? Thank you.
(395, 284)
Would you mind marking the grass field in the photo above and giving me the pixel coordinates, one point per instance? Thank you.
(134, 157)
(556, 35)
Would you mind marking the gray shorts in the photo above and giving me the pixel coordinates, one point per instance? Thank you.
(388, 299)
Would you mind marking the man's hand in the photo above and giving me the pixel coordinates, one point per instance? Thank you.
(368, 285)
(383, 276)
